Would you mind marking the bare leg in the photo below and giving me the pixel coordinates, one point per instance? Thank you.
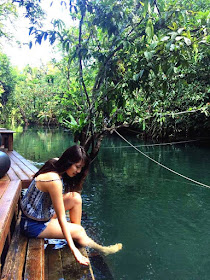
(73, 204)
(106, 250)
(78, 233)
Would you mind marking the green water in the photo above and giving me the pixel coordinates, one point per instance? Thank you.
(162, 219)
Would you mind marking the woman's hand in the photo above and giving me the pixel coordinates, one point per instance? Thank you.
(80, 258)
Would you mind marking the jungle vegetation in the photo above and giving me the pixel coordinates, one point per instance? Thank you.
(142, 65)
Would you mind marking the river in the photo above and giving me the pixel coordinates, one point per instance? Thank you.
(162, 220)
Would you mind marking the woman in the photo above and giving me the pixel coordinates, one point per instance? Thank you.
(44, 204)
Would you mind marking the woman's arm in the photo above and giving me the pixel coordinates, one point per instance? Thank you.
(55, 190)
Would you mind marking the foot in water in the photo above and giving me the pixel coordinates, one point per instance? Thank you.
(112, 249)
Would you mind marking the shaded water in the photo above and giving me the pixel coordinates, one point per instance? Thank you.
(162, 220)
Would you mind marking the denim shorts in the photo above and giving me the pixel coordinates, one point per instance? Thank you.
(30, 227)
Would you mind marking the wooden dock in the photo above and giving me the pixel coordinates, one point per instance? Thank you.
(25, 258)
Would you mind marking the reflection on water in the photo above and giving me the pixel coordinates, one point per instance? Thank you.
(38, 145)
(162, 220)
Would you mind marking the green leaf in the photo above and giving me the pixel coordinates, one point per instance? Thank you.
(67, 47)
(187, 41)
(138, 76)
(30, 30)
(45, 35)
(180, 30)
(144, 125)
(73, 121)
(149, 29)
(172, 47)
(165, 38)
(145, 8)
(178, 38)
(30, 44)
(120, 117)
(148, 55)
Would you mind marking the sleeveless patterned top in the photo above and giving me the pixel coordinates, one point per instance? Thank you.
(36, 204)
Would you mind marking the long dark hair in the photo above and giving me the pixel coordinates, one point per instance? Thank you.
(71, 156)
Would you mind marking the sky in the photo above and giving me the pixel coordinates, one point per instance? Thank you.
(21, 55)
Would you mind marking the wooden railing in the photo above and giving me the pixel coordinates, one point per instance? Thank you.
(7, 138)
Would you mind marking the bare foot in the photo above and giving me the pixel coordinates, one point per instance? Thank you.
(112, 249)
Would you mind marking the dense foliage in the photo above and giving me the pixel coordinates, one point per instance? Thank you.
(140, 64)
(7, 84)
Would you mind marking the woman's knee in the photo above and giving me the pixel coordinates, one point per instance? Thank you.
(73, 198)
(77, 197)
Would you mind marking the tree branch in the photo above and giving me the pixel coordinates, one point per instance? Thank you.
(83, 11)
(155, 3)
(101, 71)
(80, 61)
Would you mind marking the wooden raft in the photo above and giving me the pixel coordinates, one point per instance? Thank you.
(16, 251)
(61, 264)
(19, 176)
(25, 258)
(21, 169)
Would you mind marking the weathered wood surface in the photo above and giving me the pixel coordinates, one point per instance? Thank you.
(18, 176)
(25, 258)
(61, 264)
(21, 169)
(18, 171)
(3, 186)
(34, 268)
(23, 166)
(33, 168)
(8, 206)
(12, 175)
(15, 260)
(53, 264)
(5, 178)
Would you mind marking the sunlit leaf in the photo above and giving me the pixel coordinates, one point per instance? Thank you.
(187, 41)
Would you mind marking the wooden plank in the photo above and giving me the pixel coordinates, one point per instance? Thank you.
(21, 165)
(72, 270)
(8, 204)
(68, 262)
(46, 264)
(3, 187)
(99, 263)
(90, 274)
(26, 162)
(12, 175)
(15, 260)
(34, 268)
(53, 263)
(10, 141)
(5, 178)
(23, 169)
(5, 131)
(19, 172)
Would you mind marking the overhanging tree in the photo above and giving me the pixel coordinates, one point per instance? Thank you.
(127, 61)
